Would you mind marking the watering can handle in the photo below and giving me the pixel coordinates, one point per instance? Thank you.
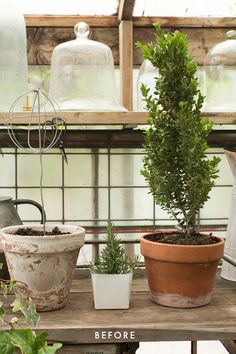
(32, 202)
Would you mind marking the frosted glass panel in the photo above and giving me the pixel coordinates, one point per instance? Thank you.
(29, 170)
(86, 204)
(125, 170)
(86, 170)
(219, 203)
(127, 203)
(71, 7)
(7, 168)
(52, 202)
(8, 192)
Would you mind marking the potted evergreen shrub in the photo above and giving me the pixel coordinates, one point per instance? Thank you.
(180, 265)
(112, 274)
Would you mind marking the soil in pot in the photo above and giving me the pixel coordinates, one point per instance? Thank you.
(179, 238)
(29, 231)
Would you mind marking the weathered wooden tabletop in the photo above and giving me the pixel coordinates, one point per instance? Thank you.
(79, 322)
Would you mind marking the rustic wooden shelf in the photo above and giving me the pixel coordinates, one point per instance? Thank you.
(78, 323)
(112, 118)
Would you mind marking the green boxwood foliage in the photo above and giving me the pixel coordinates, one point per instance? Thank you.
(175, 164)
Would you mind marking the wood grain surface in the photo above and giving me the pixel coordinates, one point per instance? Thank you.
(79, 323)
(110, 118)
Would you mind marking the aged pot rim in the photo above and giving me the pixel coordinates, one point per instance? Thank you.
(181, 253)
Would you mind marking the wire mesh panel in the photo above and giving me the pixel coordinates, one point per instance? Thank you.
(101, 184)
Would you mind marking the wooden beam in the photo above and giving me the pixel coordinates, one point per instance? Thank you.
(112, 118)
(126, 63)
(143, 21)
(140, 21)
(69, 21)
(126, 9)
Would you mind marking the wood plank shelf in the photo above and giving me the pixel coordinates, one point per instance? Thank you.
(78, 323)
(111, 118)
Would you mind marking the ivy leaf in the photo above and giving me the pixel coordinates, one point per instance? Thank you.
(31, 316)
(50, 349)
(23, 339)
(2, 313)
(5, 344)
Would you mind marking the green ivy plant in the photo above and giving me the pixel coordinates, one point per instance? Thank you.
(18, 340)
(113, 259)
(175, 164)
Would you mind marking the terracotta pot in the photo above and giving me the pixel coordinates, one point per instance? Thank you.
(43, 264)
(181, 275)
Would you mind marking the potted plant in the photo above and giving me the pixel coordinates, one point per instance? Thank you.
(112, 274)
(180, 265)
(41, 257)
(16, 339)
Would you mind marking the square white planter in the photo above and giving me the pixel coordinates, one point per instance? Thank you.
(111, 291)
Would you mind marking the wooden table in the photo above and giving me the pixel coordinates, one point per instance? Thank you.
(80, 327)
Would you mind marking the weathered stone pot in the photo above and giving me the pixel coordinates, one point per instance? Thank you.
(43, 265)
(181, 275)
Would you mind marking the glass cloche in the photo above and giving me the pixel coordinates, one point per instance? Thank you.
(147, 74)
(82, 74)
(219, 80)
(13, 55)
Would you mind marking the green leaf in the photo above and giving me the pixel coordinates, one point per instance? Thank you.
(23, 339)
(2, 313)
(5, 344)
(175, 164)
(31, 316)
(50, 349)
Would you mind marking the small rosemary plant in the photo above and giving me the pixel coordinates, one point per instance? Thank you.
(113, 259)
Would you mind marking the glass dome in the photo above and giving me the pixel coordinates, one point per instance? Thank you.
(13, 55)
(219, 80)
(146, 76)
(82, 74)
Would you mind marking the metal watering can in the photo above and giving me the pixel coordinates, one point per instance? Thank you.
(10, 217)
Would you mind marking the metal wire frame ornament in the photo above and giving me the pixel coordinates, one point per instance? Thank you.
(43, 117)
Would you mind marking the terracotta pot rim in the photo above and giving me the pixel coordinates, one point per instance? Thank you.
(143, 238)
(181, 253)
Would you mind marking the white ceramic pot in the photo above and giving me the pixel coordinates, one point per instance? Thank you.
(111, 291)
(43, 265)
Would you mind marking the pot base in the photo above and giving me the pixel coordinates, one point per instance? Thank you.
(180, 301)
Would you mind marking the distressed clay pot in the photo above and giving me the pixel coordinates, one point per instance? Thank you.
(111, 291)
(43, 265)
(181, 275)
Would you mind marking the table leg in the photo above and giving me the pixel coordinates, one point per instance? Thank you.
(193, 347)
(230, 346)
(129, 348)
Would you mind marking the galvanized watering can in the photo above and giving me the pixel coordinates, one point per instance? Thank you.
(10, 217)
